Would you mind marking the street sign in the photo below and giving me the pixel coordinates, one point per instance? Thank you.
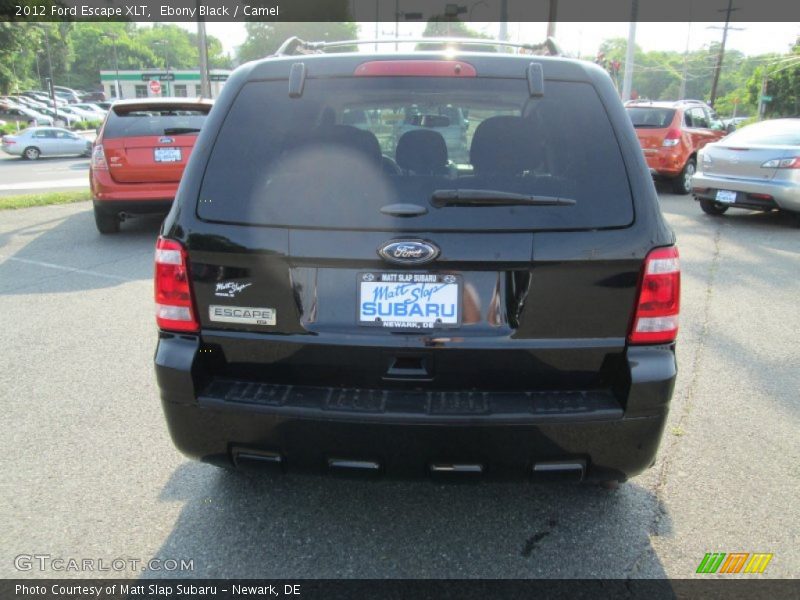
(766, 98)
(159, 76)
(155, 86)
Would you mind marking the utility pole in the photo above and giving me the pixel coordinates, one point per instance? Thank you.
(50, 70)
(503, 20)
(682, 93)
(113, 37)
(552, 18)
(721, 54)
(627, 78)
(202, 48)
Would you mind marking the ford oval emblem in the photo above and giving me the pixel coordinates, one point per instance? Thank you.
(165, 140)
(408, 252)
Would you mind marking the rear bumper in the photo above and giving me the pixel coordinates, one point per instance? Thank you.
(404, 433)
(105, 189)
(785, 193)
(133, 207)
(664, 162)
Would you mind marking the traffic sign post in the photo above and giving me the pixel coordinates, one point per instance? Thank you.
(155, 87)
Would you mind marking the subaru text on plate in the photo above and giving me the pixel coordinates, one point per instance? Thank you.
(331, 298)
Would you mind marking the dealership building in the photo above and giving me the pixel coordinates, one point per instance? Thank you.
(152, 83)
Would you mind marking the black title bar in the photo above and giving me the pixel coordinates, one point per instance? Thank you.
(399, 10)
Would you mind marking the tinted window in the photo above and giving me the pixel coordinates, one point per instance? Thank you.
(298, 163)
(146, 121)
(654, 118)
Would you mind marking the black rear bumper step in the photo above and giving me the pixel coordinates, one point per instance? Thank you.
(411, 405)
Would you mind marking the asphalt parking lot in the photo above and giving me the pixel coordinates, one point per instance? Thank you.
(48, 173)
(89, 470)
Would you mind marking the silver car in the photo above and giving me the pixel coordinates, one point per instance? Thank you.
(755, 168)
(45, 141)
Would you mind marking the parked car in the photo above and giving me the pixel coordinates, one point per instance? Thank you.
(81, 114)
(671, 134)
(45, 141)
(96, 96)
(95, 112)
(733, 123)
(21, 114)
(45, 98)
(68, 94)
(514, 316)
(60, 118)
(103, 105)
(754, 168)
(139, 156)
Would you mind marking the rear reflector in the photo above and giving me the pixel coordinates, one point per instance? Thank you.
(415, 68)
(174, 304)
(658, 304)
(99, 158)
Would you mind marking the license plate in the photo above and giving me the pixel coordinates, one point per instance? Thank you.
(726, 196)
(409, 300)
(167, 154)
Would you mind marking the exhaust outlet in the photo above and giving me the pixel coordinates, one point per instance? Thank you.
(574, 470)
(253, 458)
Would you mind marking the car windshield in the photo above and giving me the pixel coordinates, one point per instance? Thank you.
(782, 132)
(348, 150)
(149, 121)
(653, 118)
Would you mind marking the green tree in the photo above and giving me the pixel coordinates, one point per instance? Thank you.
(264, 38)
(437, 27)
(783, 84)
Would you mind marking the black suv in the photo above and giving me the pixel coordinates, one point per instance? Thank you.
(332, 298)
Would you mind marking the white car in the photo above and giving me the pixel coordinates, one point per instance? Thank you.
(98, 114)
(45, 141)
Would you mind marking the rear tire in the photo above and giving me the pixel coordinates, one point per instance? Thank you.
(712, 208)
(31, 153)
(682, 184)
(107, 223)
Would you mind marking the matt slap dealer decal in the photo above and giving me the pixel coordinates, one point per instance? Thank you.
(229, 289)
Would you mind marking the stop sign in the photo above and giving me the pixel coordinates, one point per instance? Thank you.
(155, 87)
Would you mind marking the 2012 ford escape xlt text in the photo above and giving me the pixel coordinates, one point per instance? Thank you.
(334, 296)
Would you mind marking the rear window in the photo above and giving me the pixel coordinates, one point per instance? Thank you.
(350, 149)
(154, 120)
(653, 118)
(768, 133)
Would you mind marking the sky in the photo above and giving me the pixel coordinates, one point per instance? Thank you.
(584, 38)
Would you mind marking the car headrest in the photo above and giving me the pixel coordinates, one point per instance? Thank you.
(351, 137)
(422, 151)
(505, 145)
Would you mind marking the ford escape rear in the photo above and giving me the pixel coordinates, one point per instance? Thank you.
(331, 297)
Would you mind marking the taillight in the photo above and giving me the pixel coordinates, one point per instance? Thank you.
(658, 305)
(792, 162)
(174, 305)
(99, 158)
(672, 138)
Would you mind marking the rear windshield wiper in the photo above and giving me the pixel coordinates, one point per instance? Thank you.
(441, 198)
(180, 130)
